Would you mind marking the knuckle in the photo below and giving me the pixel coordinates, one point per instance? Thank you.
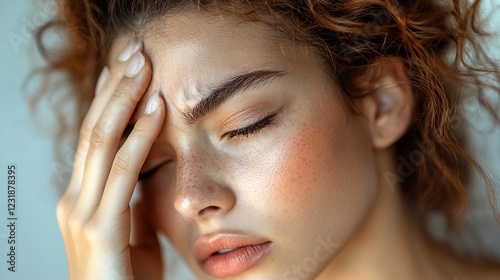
(61, 213)
(115, 74)
(144, 129)
(97, 232)
(122, 161)
(141, 129)
(122, 96)
(85, 130)
(75, 222)
(92, 230)
(98, 136)
(62, 209)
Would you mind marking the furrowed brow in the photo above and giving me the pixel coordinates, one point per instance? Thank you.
(228, 89)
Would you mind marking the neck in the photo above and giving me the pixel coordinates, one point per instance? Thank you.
(390, 244)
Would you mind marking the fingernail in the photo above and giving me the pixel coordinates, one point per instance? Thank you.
(129, 50)
(102, 78)
(153, 103)
(135, 65)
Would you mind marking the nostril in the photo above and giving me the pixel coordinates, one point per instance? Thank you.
(209, 210)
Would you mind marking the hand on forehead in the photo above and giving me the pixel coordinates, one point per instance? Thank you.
(117, 47)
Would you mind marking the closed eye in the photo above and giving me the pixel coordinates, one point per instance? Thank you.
(145, 175)
(251, 129)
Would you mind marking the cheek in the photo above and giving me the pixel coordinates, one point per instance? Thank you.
(324, 182)
(325, 167)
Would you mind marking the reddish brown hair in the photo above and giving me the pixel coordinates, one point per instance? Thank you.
(439, 43)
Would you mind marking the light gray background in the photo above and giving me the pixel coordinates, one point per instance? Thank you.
(40, 252)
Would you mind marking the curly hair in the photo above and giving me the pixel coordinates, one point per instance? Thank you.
(439, 43)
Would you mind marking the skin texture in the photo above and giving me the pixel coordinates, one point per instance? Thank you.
(312, 181)
(314, 162)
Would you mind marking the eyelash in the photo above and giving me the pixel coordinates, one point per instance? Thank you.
(149, 173)
(242, 132)
(251, 129)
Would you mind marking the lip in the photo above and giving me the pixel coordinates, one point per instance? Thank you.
(248, 250)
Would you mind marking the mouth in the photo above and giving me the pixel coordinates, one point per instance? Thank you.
(221, 255)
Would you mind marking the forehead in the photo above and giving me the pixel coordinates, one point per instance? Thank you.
(191, 51)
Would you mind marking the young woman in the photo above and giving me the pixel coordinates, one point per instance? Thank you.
(271, 139)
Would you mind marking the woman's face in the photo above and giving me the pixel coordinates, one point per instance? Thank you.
(277, 156)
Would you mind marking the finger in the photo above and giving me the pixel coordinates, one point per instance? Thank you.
(107, 81)
(108, 131)
(141, 106)
(106, 84)
(130, 159)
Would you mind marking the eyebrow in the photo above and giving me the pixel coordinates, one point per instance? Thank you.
(228, 89)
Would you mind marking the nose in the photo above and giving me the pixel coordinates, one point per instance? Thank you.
(201, 192)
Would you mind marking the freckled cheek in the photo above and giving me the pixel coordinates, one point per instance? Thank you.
(318, 171)
(299, 173)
